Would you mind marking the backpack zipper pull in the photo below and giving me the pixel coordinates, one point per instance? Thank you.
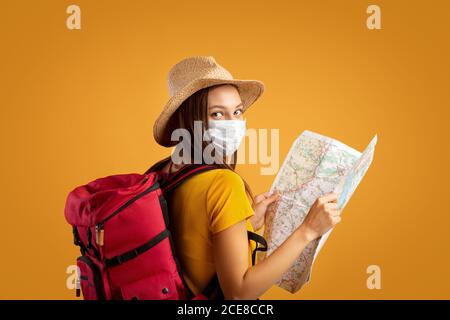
(99, 234)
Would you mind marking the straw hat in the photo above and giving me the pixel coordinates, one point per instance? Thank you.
(195, 73)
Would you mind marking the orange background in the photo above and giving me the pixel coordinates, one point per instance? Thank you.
(80, 104)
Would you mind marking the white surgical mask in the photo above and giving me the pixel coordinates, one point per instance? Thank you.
(226, 135)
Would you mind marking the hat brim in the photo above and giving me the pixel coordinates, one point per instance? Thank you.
(249, 90)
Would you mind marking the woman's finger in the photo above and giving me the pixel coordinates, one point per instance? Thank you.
(335, 213)
(262, 196)
(336, 219)
(266, 194)
(331, 206)
(272, 198)
(330, 197)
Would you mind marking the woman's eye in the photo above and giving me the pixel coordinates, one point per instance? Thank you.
(238, 112)
(216, 114)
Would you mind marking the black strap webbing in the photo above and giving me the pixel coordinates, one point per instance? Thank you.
(183, 174)
(259, 240)
(170, 182)
(117, 260)
(211, 287)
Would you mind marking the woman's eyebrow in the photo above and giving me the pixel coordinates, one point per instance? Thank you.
(222, 107)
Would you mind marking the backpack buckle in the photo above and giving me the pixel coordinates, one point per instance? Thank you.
(127, 256)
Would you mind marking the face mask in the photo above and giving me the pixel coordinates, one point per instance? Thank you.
(226, 135)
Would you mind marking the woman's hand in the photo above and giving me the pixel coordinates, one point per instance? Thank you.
(260, 204)
(322, 216)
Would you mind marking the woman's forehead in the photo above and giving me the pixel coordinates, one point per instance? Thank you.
(225, 96)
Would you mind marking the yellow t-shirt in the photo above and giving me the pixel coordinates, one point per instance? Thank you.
(200, 207)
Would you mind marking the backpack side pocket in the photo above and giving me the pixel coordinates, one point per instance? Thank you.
(91, 282)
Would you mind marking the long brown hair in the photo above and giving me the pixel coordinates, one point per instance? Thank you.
(195, 108)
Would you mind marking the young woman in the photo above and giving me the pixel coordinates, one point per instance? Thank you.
(212, 211)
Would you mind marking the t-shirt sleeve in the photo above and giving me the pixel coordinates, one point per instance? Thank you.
(226, 201)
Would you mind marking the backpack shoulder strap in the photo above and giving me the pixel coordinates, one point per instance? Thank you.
(185, 173)
(178, 178)
(213, 291)
(157, 166)
(173, 181)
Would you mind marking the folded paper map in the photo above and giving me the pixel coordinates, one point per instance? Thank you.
(315, 165)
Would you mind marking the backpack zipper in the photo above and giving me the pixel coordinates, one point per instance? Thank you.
(99, 227)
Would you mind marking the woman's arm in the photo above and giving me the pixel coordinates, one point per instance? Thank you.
(238, 281)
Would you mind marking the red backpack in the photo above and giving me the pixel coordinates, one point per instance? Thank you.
(121, 224)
